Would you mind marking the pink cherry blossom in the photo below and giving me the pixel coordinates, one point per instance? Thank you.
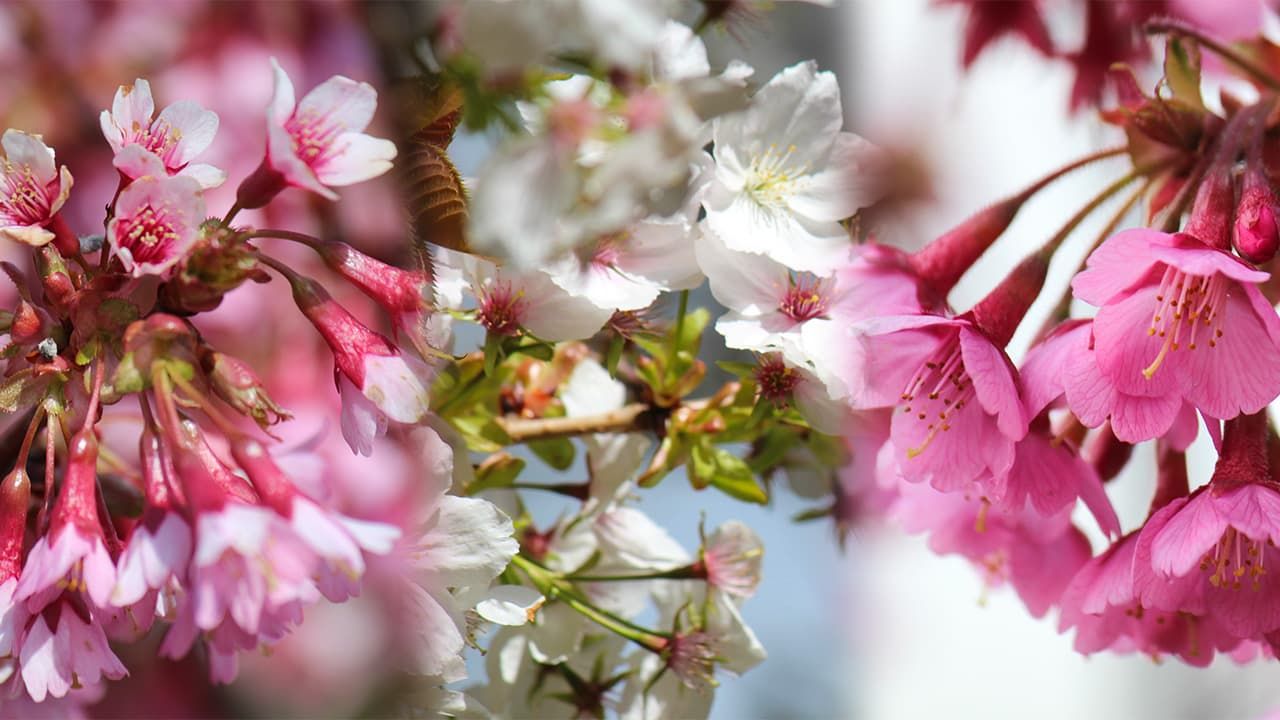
(64, 649)
(319, 142)
(1212, 553)
(1065, 364)
(1036, 555)
(181, 132)
(72, 555)
(1048, 475)
(338, 541)
(159, 548)
(377, 381)
(32, 190)
(1102, 604)
(1179, 319)
(157, 221)
(959, 414)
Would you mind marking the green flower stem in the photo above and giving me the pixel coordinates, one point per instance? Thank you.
(556, 588)
(696, 571)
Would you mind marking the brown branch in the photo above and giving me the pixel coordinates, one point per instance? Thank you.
(628, 418)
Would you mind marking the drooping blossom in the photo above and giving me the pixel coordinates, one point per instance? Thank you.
(786, 174)
(318, 143)
(1065, 365)
(73, 554)
(157, 222)
(182, 131)
(1179, 319)
(732, 556)
(959, 413)
(32, 190)
(338, 541)
(1211, 554)
(377, 381)
(159, 547)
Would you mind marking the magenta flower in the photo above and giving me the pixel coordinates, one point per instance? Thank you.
(181, 132)
(1036, 555)
(959, 413)
(1048, 475)
(319, 142)
(157, 221)
(1065, 365)
(1213, 553)
(72, 555)
(32, 190)
(1102, 604)
(1179, 319)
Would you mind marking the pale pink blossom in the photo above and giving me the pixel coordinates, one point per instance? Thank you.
(63, 650)
(72, 555)
(318, 143)
(157, 221)
(181, 132)
(32, 189)
(159, 548)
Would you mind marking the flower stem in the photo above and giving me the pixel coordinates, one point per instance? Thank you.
(308, 240)
(1050, 247)
(554, 588)
(685, 572)
(231, 214)
(1177, 27)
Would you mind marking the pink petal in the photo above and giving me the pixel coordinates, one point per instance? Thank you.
(1125, 348)
(1196, 258)
(282, 98)
(1117, 265)
(355, 157)
(1042, 372)
(1187, 536)
(1253, 510)
(193, 126)
(993, 382)
(340, 101)
(1242, 373)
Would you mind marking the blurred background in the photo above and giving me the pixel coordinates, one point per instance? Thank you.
(883, 629)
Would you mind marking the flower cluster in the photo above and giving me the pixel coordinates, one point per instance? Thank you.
(989, 456)
(187, 511)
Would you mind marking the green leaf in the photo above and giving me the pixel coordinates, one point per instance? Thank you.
(721, 469)
(1182, 70)
(498, 473)
(556, 452)
(743, 370)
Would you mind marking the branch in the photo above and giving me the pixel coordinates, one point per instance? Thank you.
(628, 418)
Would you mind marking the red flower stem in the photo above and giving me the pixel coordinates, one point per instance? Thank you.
(1172, 26)
(303, 238)
(29, 438)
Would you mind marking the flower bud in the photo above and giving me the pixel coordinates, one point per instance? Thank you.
(235, 382)
(15, 494)
(1255, 236)
(27, 326)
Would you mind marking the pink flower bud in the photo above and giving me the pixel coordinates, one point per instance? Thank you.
(15, 493)
(1256, 237)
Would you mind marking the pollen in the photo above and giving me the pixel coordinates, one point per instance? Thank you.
(1195, 304)
(938, 391)
(773, 177)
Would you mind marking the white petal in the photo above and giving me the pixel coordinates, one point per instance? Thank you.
(510, 605)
